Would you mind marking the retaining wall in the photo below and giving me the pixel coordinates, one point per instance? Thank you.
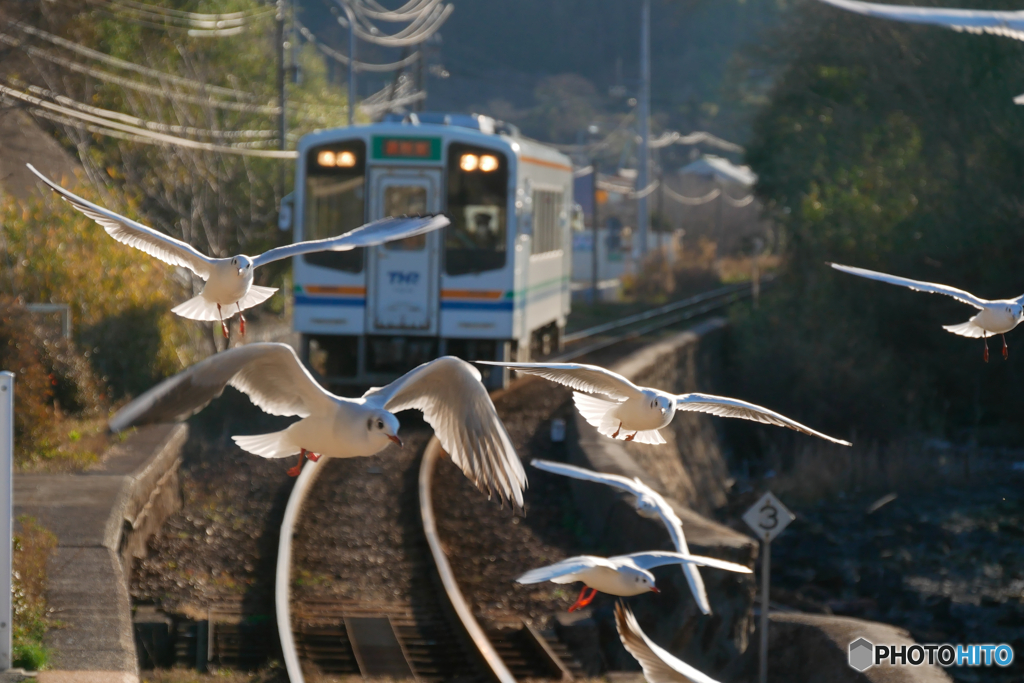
(102, 519)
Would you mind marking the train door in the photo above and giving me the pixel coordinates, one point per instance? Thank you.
(403, 277)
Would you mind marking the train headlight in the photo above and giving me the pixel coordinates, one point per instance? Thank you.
(345, 159)
(325, 158)
(488, 163)
(469, 162)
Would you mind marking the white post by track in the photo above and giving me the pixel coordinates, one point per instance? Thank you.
(6, 511)
(767, 517)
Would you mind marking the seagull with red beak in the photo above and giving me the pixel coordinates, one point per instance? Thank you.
(448, 392)
(622, 575)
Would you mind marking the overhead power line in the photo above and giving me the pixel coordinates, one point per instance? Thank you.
(130, 66)
(359, 66)
(156, 138)
(158, 91)
(696, 138)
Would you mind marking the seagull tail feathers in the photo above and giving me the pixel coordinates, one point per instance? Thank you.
(597, 411)
(273, 445)
(198, 308)
(256, 295)
(968, 329)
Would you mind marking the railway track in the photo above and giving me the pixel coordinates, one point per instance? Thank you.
(431, 633)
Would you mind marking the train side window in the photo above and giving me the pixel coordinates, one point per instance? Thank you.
(547, 226)
(335, 200)
(477, 194)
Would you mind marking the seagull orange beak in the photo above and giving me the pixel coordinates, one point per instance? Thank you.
(395, 439)
(654, 589)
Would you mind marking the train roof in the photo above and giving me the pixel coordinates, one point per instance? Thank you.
(468, 125)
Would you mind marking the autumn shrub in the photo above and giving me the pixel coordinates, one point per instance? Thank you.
(32, 547)
(33, 391)
(119, 297)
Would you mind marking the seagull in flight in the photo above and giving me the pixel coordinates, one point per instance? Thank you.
(632, 413)
(1009, 24)
(447, 390)
(649, 504)
(622, 575)
(229, 280)
(994, 317)
(658, 665)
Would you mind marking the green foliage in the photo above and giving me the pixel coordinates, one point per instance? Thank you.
(20, 354)
(120, 299)
(895, 148)
(32, 545)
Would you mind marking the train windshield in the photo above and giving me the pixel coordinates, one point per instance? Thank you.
(477, 205)
(406, 200)
(335, 200)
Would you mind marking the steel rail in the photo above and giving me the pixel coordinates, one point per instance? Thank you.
(655, 312)
(476, 634)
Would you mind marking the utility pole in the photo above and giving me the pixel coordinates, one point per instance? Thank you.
(643, 214)
(596, 232)
(351, 64)
(279, 37)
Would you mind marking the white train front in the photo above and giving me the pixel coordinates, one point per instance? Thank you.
(492, 285)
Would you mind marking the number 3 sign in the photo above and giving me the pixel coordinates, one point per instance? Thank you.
(768, 517)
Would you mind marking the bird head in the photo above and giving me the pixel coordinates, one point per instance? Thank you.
(642, 580)
(662, 404)
(647, 507)
(382, 427)
(243, 264)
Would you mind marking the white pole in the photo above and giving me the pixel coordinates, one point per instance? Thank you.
(643, 154)
(6, 505)
(766, 570)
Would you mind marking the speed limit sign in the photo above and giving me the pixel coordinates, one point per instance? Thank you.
(768, 517)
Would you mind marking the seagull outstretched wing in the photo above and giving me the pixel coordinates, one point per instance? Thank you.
(733, 407)
(134, 234)
(455, 403)
(581, 377)
(369, 235)
(916, 285)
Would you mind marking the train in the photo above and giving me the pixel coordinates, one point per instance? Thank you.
(493, 285)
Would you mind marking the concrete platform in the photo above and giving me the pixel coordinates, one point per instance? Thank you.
(102, 518)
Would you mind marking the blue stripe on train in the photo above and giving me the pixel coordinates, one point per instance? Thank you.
(477, 305)
(328, 301)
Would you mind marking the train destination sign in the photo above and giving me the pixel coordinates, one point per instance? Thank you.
(407, 149)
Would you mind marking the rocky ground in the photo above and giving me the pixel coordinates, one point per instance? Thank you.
(946, 563)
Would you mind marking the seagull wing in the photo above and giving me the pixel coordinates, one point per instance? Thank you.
(1003, 23)
(566, 570)
(455, 403)
(137, 235)
(916, 285)
(659, 666)
(269, 373)
(369, 235)
(733, 407)
(660, 558)
(614, 480)
(665, 512)
(589, 378)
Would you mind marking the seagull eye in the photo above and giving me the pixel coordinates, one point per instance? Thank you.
(380, 424)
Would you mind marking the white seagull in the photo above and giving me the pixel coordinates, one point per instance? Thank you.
(622, 575)
(447, 390)
(633, 413)
(659, 666)
(229, 280)
(994, 317)
(1009, 24)
(649, 504)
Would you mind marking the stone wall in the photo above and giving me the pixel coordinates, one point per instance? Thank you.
(690, 471)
